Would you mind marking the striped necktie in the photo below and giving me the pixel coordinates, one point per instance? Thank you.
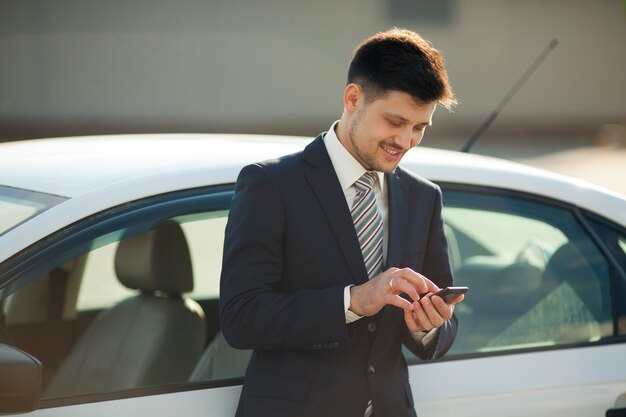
(368, 223)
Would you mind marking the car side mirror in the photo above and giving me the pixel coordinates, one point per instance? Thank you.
(21, 380)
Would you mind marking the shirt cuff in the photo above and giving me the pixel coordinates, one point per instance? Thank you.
(425, 336)
(350, 315)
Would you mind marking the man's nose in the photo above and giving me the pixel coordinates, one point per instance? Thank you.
(408, 139)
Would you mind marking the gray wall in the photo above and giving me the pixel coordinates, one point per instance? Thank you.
(278, 66)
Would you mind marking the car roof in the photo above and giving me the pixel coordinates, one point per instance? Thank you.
(75, 166)
(100, 172)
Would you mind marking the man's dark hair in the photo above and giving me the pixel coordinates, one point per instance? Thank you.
(401, 60)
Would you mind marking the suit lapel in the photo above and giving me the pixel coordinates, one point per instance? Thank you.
(398, 212)
(325, 184)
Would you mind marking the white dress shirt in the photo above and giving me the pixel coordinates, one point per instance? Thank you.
(348, 171)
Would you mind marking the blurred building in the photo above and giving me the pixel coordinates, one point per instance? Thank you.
(278, 66)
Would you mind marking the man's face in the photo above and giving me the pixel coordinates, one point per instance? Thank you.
(381, 132)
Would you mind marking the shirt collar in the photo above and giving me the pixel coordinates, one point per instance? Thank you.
(347, 168)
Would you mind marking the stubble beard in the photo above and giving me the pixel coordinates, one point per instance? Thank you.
(367, 160)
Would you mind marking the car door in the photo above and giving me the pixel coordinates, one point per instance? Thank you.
(541, 331)
(53, 293)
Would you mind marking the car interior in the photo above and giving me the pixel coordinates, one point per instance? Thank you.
(536, 298)
(152, 338)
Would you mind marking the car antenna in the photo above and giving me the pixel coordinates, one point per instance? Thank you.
(470, 143)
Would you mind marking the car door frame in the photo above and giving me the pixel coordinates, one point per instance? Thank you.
(37, 258)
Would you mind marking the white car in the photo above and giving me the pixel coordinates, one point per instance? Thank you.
(110, 254)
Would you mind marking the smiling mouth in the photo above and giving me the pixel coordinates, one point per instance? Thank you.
(391, 151)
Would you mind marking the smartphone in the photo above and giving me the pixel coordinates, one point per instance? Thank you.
(450, 293)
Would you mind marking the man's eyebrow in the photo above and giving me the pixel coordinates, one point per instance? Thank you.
(397, 116)
(405, 120)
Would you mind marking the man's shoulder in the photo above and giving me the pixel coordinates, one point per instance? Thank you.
(276, 170)
(284, 162)
(295, 161)
(413, 180)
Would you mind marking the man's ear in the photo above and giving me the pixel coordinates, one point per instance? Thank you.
(353, 97)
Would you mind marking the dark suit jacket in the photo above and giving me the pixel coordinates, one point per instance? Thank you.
(290, 250)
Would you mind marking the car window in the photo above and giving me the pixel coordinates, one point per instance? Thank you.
(536, 278)
(146, 276)
(18, 205)
(204, 233)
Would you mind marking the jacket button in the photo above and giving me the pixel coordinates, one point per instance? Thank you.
(371, 369)
(371, 326)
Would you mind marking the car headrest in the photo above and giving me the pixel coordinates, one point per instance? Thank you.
(157, 260)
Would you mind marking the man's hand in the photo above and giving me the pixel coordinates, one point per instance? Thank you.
(369, 298)
(429, 313)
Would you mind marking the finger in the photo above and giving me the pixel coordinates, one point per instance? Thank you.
(428, 294)
(419, 281)
(400, 285)
(400, 302)
(410, 322)
(420, 317)
(439, 307)
(434, 316)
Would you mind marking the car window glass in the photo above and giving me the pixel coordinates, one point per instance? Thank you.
(62, 311)
(18, 205)
(14, 213)
(533, 240)
(99, 287)
(536, 278)
(205, 236)
(206, 243)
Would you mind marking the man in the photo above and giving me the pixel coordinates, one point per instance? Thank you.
(328, 251)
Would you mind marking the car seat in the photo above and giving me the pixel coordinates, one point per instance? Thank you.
(152, 338)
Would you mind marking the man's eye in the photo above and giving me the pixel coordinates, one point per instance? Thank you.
(394, 124)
